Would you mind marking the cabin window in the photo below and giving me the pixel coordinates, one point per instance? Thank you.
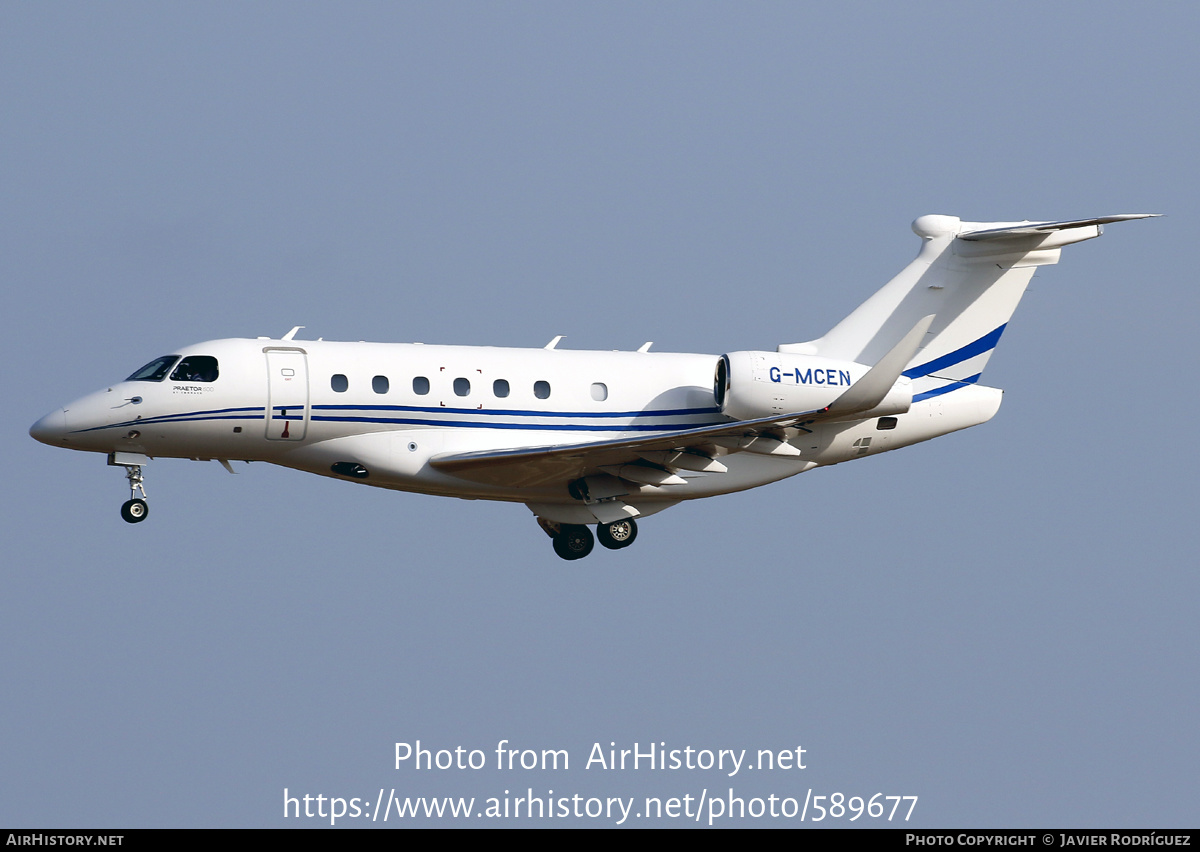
(420, 385)
(541, 390)
(339, 383)
(462, 387)
(379, 384)
(885, 423)
(599, 391)
(155, 371)
(196, 368)
(500, 388)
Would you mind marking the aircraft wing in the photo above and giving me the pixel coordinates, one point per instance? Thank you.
(530, 466)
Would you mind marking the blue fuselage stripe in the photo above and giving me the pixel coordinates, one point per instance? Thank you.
(279, 413)
(246, 413)
(536, 427)
(515, 412)
(984, 344)
(953, 386)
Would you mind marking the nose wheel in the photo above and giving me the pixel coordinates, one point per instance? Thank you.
(135, 511)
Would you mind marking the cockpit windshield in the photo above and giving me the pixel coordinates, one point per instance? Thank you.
(196, 368)
(155, 371)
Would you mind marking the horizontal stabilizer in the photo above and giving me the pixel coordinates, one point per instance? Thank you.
(1029, 229)
(970, 275)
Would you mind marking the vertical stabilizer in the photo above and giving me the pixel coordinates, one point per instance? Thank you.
(970, 277)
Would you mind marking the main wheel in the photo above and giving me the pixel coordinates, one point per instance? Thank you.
(135, 511)
(574, 542)
(618, 534)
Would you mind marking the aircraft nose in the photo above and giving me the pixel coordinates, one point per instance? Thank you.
(50, 429)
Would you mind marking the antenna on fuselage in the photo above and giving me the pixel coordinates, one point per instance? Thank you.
(554, 342)
(291, 333)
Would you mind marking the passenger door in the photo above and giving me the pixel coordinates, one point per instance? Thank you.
(287, 394)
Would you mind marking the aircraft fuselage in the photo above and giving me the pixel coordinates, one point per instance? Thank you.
(326, 406)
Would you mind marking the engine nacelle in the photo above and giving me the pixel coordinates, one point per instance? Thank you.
(750, 385)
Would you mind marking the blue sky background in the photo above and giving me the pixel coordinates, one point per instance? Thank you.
(1001, 621)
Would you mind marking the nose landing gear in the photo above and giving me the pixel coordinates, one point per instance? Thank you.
(135, 509)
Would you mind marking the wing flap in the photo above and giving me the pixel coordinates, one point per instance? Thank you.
(612, 510)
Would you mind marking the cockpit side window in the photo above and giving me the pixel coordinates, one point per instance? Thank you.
(196, 368)
(155, 371)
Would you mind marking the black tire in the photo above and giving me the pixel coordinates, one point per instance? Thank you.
(135, 511)
(618, 534)
(574, 542)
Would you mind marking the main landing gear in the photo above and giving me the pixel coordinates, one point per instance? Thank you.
(575, 541)
(618, 534)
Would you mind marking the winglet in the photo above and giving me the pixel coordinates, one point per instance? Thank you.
(871, 389)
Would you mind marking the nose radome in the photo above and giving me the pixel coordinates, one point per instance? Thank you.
(50, 429)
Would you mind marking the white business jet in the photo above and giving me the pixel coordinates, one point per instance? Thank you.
(589, 438)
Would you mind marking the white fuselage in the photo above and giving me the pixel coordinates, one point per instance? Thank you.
(377, 413)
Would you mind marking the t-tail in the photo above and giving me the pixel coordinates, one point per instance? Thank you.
(969, 276)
